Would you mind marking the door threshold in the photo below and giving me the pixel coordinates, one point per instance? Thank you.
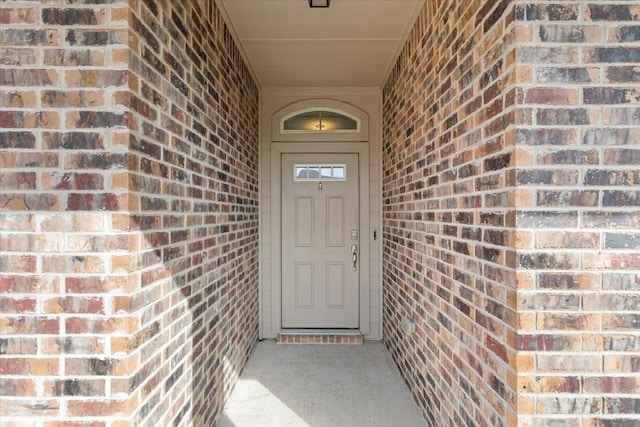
(320, 332)
(320, 336)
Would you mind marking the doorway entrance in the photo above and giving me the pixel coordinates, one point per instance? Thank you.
(320, 240)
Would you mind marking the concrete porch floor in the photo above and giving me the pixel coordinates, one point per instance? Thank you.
(321, 386)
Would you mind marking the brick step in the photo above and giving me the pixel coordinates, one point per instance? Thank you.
(333, 336)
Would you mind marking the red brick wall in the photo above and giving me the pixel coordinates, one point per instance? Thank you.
(579, 214)
(128, 197)
(449, 212)
(511, 213)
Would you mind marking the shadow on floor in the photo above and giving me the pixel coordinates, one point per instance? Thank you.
(321, 386)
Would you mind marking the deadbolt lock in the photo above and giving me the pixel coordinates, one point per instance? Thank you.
(354, 234)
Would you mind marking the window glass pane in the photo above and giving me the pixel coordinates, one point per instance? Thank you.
(314, 173)
(336, 121)
(301, 172)
(300, 122)
(319, 121)
(320, 172)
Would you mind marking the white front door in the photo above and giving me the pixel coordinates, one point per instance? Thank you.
(320, 241)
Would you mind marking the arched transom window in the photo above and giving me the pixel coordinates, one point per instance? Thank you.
(319, 120)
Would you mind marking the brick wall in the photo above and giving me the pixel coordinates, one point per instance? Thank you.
(128, 197)
(449, 212)
(511, 213)
(578, 217)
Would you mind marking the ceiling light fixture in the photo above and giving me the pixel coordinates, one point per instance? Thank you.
(319, 3)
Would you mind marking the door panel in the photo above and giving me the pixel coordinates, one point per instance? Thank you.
(335, 285)
(335, 221)
(304, 285)
(304, 221)
(320, 212)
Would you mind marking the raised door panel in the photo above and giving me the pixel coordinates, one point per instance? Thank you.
(304, 221)
(335, 285)
(335, 221)
(304, 285)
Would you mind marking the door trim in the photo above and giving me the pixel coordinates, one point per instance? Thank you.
(279, 148)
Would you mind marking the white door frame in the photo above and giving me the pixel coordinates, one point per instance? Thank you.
(279, 148)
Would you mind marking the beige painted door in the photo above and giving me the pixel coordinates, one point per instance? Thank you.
(320, 233)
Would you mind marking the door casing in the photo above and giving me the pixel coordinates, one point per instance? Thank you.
(279, 148)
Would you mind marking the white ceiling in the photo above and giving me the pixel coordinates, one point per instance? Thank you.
(353, 43)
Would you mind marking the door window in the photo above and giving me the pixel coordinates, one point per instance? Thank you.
(320, 172)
